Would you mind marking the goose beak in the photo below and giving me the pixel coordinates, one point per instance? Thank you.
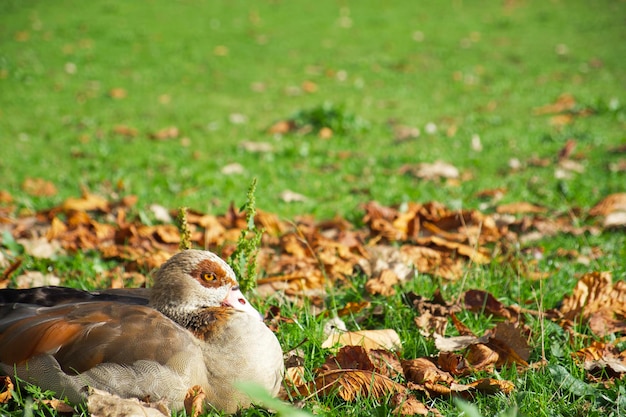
(236, 300)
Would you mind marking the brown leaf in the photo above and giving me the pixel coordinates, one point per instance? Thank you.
(386, 363)
(422, 370)
(483, 302)
(325, 133)
(455, 343)
(369, 339)
(408, 405)
(601, 357)
(352, 308)
(295, 376)
(59, 406)
(41, 247)
(350, 384)
(486, 386)
(170, 132)
(289, 196)
(256, 147)
(563, 103)
(560, 120)
(123, 130)
(595, 296)
(383, 284)
(282, 127)
(431, 325)
(615, 220)
(481, 356)
(118, 93)
(431, 171)
(38, 187)
(6, 392)
(349, 357)
(567, 150)
(87, 202)
(10, 269)
(31, 279)
(103, 404)
(610, 204)
(453, 363)
(5, 197)
(434, 262)
(520, 208)
(194, 401)
(511, 344)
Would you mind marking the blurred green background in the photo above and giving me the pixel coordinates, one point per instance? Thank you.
(84, 85)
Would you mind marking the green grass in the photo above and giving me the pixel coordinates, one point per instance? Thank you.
(471, 68)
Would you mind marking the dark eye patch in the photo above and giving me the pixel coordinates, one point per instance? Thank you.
(211, 274)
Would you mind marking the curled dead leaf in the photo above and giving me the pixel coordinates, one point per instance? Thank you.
(481, 357)
(194, 401)
(597, 299)
(423, 370)
(6, 390)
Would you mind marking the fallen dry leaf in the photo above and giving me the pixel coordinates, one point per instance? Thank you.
(350, 384)
(31, 279)
(102, 404)
(566, 151)
(38, 187)
(595, 298)
(369, 339)
(486, 386)
(455, 343)
(289, 196)
(127, 131)
(170, 132)
(6, 392)
(483, 302)
(602, 360)
(614, 203)
(194, 401)
(408, 405)
(41, 247)
(383, 284)
(615, 220)
(423, 370)
(117, 93)
(5, 197)
(282, 127)
(563, 103)
(432, 171)
(520, 208)
(59, 407)
(256, 147)
(87, 202)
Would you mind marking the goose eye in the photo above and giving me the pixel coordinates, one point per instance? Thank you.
(208, 276)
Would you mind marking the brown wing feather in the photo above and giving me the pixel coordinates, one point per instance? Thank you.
(82, 335)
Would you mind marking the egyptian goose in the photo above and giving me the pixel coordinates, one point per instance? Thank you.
(196, 328)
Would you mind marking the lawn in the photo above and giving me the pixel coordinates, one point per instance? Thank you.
(330, 106)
